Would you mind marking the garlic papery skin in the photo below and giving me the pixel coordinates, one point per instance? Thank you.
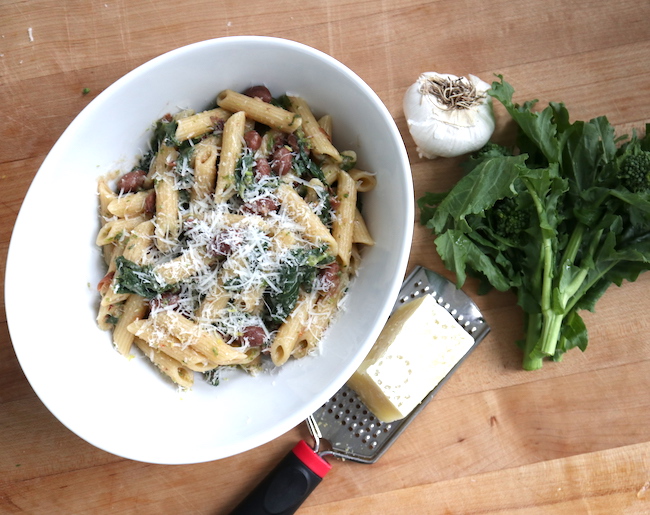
(448, 116)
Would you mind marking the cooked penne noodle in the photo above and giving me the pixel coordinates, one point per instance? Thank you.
(260, 111)
(204, 342)
(129, 204)
(160, 339)
(167, 219)
(182, 267)
(250, 299)
(355, 260)
(106, 196)
(315, 188)
(117, 250)
(178, 373)
(112, 297)
(300, 211)
(323, 311)
(205, 167)
(135, 307)
(231, 148)
(325, 123)
(201, 123)
(289, 333)
(117, 230)
(330, 170)
(360, 232)
(106, 315)
(215, 301)
(343, 225)
(139, 243)
(319, 140)
(366, 181)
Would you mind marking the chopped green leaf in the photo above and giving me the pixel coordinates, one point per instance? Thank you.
(133, 278)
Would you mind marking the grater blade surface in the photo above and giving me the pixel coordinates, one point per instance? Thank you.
(352, 430)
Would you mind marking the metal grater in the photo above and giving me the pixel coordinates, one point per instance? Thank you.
(351, 429)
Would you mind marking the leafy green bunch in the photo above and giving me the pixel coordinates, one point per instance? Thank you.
(557, 218)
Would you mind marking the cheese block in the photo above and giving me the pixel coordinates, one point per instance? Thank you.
(417, 348)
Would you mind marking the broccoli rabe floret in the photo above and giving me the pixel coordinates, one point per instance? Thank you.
(491, 149)
(634, 172)
(508, 220)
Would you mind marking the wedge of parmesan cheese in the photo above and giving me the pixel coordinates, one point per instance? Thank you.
(417, 348)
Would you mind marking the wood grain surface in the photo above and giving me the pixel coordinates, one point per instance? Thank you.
(571, 438)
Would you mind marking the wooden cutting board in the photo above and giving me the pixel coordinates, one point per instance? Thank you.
(571, 438)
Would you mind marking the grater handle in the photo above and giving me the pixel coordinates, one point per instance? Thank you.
(287, 485)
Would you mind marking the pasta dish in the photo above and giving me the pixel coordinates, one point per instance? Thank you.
(233, 240)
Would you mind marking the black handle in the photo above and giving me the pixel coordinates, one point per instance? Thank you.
(288, 485)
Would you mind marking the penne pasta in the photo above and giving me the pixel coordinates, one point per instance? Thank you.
(214, 302)
(260, 111)
(366, 181)
(117, 230)
(167, 219)
(201, 123)
(137, 247)
(323, 311)
(129, 204)
(135, 307)
(208, 344)
(319, 140)
(205, 167)
(330, 170)
(106, 196)
(290, 331)
(231, 148)
(300, 211)
(325, 123)
(182, 267)
(343, 225)
(360, 232)
(178, 373)
(160, 339)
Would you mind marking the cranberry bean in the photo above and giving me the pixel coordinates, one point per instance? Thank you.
(150, 203)
(253, 335)
(260, 206)
(164, 300)
(223, 242)
(217, 123)
(282, 160)
(261, 92)
(253, 140)
(103, 284)
(262, 167)
(279, 140)
(131, 181)
(330, 277)
(292, 141)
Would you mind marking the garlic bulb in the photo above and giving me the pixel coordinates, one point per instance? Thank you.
(447, 115)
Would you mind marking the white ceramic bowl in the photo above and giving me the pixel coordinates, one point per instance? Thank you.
(125, 406)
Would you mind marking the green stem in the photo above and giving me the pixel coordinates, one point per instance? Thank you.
(550, 332)
(532, 361)
(550, 323)
(573, 245)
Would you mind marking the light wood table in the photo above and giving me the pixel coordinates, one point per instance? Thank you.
(571, 438)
